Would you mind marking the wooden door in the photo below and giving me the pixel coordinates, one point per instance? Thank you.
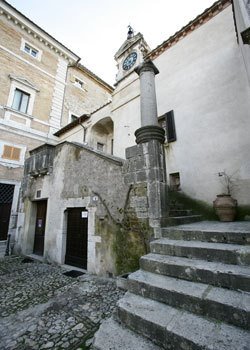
(77, 237)
(40, 227)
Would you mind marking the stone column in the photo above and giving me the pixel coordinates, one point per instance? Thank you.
(150, 129)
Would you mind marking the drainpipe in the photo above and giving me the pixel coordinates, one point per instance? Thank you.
(84, 134)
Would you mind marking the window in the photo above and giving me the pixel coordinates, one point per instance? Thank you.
(78, 83)
(30, 49)
(167, 123)
(100, 146)
(175, 182)
(12, 153)
(20, 101)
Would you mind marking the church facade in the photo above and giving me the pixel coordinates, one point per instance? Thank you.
(80, 202)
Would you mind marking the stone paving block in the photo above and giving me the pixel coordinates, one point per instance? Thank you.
(43, 309)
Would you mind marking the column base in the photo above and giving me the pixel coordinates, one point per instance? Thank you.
(150, 132)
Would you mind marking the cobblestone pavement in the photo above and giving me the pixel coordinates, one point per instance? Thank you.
(40, 308)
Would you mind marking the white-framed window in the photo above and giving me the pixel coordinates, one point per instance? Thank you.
(20, 101)
(22, 95)
(11, 154)
(79, 83)
(30, 49)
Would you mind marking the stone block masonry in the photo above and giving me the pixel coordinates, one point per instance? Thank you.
(145, 167)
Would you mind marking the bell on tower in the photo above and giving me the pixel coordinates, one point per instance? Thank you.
(130, 32)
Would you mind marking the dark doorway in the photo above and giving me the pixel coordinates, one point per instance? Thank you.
(40, 227)
(77, 237)
(6, 197)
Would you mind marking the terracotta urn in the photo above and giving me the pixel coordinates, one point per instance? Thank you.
(225, 207)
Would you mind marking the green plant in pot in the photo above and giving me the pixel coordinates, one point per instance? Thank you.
(225, 206)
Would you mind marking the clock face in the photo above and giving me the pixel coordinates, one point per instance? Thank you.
(129, 61)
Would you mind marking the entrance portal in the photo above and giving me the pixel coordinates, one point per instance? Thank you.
(77, 237)
(6, 197)
(40, 227)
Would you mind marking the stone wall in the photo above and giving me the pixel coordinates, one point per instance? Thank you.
(144, 169)
(79, 101)
(117, 233)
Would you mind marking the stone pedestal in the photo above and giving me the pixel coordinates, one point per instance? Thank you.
(145, 165)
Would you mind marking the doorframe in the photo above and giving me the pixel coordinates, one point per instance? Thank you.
(65, 231)
(93, 261)
(12, 230)
(34, 224)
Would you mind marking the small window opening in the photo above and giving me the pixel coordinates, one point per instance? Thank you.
(30, 50)
(78, 83)
(100, 146)
(174, 179)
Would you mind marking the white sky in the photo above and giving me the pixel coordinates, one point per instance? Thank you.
(95, 29)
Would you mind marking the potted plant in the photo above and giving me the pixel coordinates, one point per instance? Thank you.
(225, 206)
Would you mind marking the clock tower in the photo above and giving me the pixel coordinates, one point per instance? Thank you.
(130, 54)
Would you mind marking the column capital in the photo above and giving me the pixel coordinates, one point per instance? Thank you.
(147, 66)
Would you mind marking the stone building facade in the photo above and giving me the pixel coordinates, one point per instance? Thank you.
(43, 87)
(203, 104)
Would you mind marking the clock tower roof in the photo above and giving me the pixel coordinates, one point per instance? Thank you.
(131, 41)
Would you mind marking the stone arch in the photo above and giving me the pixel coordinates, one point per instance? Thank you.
(102, 134)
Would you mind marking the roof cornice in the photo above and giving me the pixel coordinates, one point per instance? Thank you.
(36, 32)
(94, 76)
(204, 17)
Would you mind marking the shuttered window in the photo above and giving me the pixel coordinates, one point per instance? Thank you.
(167, 123)
(12, 153)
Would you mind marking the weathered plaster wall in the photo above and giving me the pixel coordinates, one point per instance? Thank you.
(126, 113)
(73, 183)
(202, 78)
(77, 133)
(242, 17)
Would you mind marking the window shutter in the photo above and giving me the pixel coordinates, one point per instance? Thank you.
(12, 153)
(16, 153)
(171, 134)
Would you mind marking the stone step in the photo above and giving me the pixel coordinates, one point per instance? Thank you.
(174, 329)
(217, 274)
(236, 233)
(180, 212)
(218, 303)
(113, 336)
(226, 253)
(180, 220)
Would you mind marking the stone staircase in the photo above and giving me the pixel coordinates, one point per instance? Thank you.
(191, 292)
(178, 215)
